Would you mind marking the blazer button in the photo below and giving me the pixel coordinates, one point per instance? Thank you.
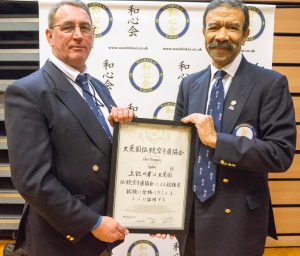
(225, 180)
(227, 211)
(95, 168)
(70, 238)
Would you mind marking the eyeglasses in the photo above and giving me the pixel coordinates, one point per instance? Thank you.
(68, 28)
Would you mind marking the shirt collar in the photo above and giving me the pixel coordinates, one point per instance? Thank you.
(230, 68)
(69, 71)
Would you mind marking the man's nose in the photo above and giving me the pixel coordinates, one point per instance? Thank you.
(77, 32)
(222, 34)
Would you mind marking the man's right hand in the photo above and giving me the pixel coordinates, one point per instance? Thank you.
(110, 230)
(120, 115)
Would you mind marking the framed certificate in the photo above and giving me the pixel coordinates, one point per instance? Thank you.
(151, 175)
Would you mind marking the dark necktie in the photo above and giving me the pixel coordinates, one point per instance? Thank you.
(204, 181)
(82, 81)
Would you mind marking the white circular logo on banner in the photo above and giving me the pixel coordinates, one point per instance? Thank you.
(172, 21)
(102, 18)
(257, 23)
(165, 111)
(145, 75)
(143, 247)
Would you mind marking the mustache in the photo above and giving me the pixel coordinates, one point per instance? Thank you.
(218, 44)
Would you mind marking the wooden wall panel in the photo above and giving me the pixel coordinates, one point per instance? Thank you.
(283, 240)
(286, 49)
(293, 75)
(287, 20)
(285, 192)
(292, 173)
(287, 219)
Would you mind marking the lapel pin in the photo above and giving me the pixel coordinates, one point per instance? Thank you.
(233, 103)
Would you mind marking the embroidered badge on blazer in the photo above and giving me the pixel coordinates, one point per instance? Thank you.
(246, 130)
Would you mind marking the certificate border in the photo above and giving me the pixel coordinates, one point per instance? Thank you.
(189, 195)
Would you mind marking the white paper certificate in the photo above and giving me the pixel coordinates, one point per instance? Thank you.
(151, 177)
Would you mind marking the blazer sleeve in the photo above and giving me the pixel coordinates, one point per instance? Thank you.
(179, 108)
(31, 159)
(273, 149)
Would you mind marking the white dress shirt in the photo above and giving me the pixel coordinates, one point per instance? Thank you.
(71, 74)
(230, 69)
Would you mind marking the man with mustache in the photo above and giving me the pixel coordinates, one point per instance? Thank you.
(245, 121)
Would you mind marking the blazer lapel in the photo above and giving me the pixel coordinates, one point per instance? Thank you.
(239, 92)
(198, 98)
(106, 98)
(198, 93)
(75, 103)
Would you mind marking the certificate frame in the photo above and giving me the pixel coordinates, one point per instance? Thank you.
(151, 175)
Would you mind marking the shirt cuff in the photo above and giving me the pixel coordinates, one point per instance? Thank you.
(97, 224)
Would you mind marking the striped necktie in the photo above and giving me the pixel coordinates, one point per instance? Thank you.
(82, 81)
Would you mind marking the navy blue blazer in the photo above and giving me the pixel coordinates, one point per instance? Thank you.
(258, 98)
(60, 163)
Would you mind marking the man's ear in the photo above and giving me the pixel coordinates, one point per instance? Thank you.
(49, 36)
(245, 36)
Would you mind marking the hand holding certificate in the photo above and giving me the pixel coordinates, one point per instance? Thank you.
(150, 178)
